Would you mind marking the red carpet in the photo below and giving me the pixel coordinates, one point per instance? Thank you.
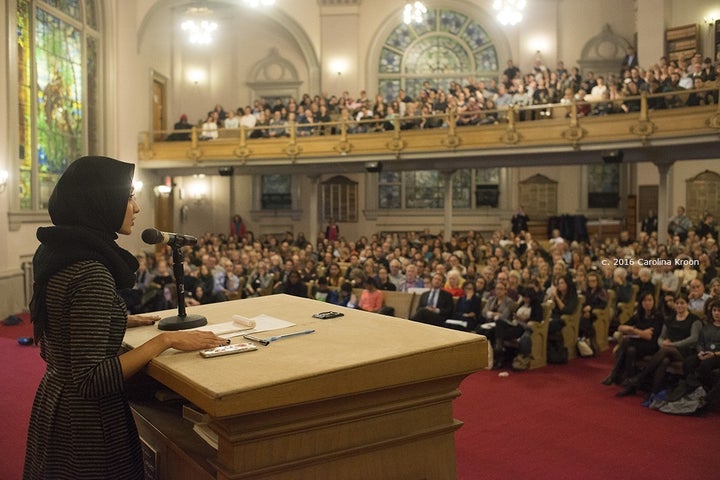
(20, 371)
(556, 422)
(559, 422)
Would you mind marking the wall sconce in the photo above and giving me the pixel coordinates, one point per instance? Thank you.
(198, 189)
(162, 190)
(539, 44)
(138, 186)
(4, 177)
(710, 20)
(196, 76)
(338, 66)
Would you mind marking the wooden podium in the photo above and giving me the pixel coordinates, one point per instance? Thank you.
(365, 396)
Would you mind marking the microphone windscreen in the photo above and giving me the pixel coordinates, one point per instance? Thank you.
(152, 236)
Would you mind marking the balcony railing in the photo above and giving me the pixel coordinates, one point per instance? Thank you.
(662, 118)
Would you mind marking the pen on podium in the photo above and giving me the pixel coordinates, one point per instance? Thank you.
(266, 341)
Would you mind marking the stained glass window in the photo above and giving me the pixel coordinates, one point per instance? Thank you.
(447, 46)
(603, 185)
(24, 103)
(426, 189)
(68, 7)
(275, 192)
(58, 91)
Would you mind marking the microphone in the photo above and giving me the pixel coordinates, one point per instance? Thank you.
(154, 236)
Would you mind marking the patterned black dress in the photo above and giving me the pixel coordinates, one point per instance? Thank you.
(81, 426)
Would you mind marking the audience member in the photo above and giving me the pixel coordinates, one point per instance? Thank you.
(436, 304)
(677, 341)
(639, 338)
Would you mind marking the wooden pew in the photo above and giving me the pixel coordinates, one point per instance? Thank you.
(571, 328)
(603, 317)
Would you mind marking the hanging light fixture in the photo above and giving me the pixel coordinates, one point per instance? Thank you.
(509, 12)
(413, 12)
(258, 3)
(199, 26)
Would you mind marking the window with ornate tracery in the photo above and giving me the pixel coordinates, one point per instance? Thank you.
(59, 45)
(448, 46)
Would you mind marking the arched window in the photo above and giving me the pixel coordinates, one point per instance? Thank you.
(59, 58)
(447, 47)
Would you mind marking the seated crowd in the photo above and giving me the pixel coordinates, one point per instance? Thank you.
(496, 286)
(475, 103)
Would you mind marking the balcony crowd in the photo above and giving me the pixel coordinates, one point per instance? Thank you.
(476, 102)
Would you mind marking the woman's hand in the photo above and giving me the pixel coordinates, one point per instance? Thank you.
(195, 340)
(134, 360)
(141, 320)
(706, 355)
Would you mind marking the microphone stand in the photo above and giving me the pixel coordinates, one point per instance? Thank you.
(181, 321)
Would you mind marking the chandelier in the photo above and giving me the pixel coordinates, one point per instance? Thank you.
(413, 12)
(199, 30)
(509, 12)
(257, 3)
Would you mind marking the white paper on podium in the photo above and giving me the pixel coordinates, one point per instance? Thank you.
(237, 326)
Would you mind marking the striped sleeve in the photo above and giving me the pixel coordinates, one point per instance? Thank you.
(95, 366)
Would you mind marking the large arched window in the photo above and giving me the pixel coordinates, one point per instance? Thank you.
(447, 46)
(59, 47)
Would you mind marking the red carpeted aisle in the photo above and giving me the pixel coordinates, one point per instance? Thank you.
(559, 422)
(556, 422)
(20, 371)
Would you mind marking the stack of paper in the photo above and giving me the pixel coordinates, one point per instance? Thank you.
(240, 325)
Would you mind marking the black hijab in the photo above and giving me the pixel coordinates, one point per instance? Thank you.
(87, 207)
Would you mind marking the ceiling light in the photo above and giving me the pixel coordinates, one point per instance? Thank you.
(258, 3)
(509, 12)
(413, 12)
(199, 26)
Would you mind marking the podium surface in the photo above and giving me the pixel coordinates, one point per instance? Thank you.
(364, 396)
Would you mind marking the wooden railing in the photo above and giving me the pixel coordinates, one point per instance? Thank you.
(555, 126)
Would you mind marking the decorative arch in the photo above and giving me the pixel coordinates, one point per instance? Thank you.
(284, 21)
(455, 41)
(604, 52)
(274, 76)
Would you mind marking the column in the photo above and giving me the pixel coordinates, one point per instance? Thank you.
(448, 225)
(663, 210)
(163, 208)
(313, 209)
(650, 21)
(339, 49)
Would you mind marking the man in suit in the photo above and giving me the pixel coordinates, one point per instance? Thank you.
(436, 305)
(629, 61)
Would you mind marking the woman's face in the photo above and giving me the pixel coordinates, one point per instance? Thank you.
(716, 314)
(648, 303)
(680, 306)
(561, 285)
(131, 210)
